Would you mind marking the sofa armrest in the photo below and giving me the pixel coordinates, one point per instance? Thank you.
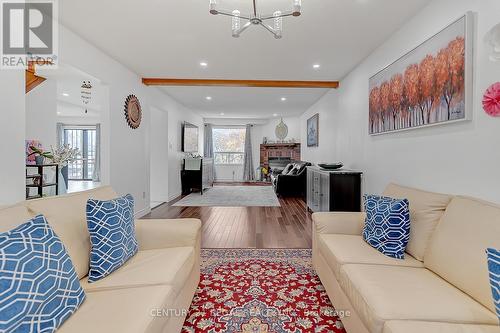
(159, 234)
(345, 223)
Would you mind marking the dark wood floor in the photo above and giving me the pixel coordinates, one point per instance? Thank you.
(288, 226)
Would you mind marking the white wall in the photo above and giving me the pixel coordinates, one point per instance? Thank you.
(12, 136)
(41, 114)
(159, 155)
(177, 114)
(459, 158)
(129, 150)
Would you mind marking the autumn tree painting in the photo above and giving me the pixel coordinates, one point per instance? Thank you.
(426, 87)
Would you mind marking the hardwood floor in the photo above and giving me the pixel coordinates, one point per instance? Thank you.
(288, 226)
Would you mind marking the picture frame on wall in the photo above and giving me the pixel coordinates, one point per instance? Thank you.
(430, 85)
(313, 131)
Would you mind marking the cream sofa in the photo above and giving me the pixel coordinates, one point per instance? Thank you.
(150, 293)
(442, 284)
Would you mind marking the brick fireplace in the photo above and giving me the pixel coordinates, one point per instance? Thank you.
(279, 153)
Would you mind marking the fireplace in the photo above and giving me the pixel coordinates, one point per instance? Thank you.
(278, 155)
(278, 163)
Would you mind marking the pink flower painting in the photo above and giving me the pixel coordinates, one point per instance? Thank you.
(491, 100)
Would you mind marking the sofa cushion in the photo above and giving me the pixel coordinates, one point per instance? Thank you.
(426, 208)
(340, 250)
(66, 215)
(14, 216)
(170, 266)
(382, 293)
(129, 310)
(38, 285)
(457, 249)
(387, 226)
(494, 268)
(112, 235)
(287, 169)
(433, 327)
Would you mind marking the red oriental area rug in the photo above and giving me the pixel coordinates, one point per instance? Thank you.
(260, 291)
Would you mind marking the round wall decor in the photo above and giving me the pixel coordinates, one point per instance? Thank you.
(281, 130)
(133, 111)
(491, 100)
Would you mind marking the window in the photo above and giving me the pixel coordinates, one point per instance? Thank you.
(229, 145)
(83, 138)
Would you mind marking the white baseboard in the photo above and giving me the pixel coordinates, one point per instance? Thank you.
(174, 196)
(142, 212)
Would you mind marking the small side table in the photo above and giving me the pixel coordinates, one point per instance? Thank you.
(40, 186)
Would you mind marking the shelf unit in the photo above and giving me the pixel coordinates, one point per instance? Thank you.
(40, 173)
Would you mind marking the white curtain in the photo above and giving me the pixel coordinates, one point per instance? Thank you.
(248, 172)
(96, 176)
(208, 145)
(60, 135)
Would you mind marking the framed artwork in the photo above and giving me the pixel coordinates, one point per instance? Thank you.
(313, 131)
(430, 85)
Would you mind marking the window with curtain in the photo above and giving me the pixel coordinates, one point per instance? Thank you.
(83, 138)
(229, 145)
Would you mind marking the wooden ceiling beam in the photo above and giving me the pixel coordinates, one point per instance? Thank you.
(240, 83)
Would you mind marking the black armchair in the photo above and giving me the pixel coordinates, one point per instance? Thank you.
(292, 181)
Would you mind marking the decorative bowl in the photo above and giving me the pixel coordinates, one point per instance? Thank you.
(331, 166)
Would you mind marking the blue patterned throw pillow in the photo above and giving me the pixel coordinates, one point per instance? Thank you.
(387, 225)
(494, 268)
(112, 235)
(39, 288)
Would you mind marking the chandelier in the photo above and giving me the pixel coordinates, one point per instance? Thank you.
(257, 19)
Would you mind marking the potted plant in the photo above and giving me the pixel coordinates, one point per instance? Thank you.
(40, 155)
(62, 156)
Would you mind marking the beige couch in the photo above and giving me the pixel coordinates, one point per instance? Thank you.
(442, 284)
(150, 293)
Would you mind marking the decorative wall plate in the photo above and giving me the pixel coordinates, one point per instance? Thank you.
(281, 130)
(133, 111)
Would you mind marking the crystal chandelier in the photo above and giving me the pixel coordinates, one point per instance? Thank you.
(257, 19)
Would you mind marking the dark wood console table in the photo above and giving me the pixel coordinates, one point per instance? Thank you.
(198, 178)
(333, 191)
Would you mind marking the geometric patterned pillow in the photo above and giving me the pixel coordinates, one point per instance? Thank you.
(39, 288)
(112, 235)
(387, 225)
(494, 268)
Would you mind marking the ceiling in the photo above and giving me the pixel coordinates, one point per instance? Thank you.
(69, 101)
(167, 38)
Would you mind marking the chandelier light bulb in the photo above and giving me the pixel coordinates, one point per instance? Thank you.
(297, 6)
(236, 23)
(278, 24)
(212, 7)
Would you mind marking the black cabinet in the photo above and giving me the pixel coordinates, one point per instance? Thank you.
(333, 191)
(197, 174)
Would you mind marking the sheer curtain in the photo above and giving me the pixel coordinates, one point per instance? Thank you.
(208, 145)
(248, 172)
(96, 176)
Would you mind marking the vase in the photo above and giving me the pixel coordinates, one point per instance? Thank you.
(64, 173)
(39, 160)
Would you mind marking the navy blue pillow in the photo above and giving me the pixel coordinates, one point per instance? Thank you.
(494, 269)
(387, 225)
(39, 288)
(112, 235)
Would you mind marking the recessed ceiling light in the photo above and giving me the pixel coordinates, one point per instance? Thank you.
(283, 99)
(222, 113)
(203, 64)
(208, 98)
(275, 114)
(65, 94)
(316, 66)
(58, 113)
